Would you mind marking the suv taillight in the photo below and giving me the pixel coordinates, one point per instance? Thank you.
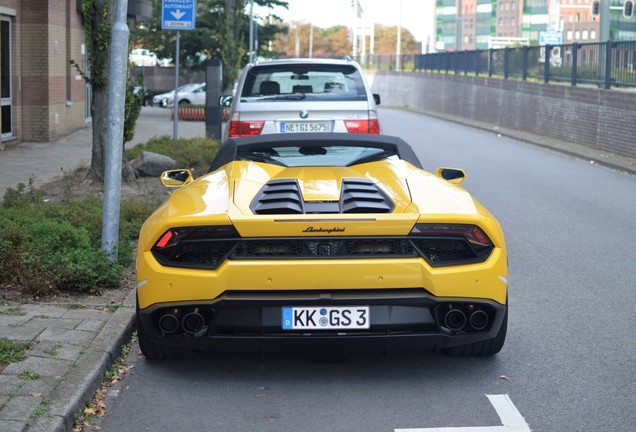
(240, 128)
(371, 126)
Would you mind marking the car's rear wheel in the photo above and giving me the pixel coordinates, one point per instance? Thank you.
(155, 351)
(487, 347)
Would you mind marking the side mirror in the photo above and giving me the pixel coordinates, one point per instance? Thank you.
(376, 98)
(452, 175)
(176, 178)
(226, 100)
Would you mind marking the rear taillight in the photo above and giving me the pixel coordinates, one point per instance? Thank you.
(240, 128)
(370, 126)
(451, 244)
(196, 247)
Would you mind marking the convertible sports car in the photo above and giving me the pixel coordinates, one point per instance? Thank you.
(320, 242)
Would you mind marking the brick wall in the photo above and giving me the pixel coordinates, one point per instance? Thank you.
(596, 118)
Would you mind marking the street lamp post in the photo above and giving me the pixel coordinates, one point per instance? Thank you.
(250, 49)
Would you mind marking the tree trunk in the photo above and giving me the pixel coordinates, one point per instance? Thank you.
(99, 64)
(99, 108)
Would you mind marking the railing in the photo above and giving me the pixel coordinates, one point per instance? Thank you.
(605, 64)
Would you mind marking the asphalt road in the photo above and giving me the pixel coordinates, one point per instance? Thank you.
(569, 361)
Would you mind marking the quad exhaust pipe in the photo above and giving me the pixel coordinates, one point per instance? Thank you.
(456, 319)
(192, 323)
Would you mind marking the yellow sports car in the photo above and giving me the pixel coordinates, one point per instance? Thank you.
(320, 242)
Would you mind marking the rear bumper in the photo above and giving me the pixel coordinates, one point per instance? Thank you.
(401, 320)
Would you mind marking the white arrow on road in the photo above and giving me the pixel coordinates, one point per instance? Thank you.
(177, 14)
(510, 417)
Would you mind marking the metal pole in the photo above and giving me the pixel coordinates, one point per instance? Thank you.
(175, 104)
(115, 131)
(604, 17)
(399, 41)
(250, 50)
(311, 40)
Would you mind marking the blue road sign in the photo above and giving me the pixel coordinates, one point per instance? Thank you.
(178, 14)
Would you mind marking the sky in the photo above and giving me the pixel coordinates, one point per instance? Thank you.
(417, 15)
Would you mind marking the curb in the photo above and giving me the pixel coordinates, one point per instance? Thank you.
(83, 381)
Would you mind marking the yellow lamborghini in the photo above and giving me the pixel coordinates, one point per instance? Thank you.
(320, 242)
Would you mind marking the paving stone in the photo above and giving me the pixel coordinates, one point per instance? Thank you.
(91, 325)
(49, 311)
(43, 385)
(13, 320)
(9, 384)
(36, 321)
(57, 350)
(65, 335)
(43, 366)
(11, 425)
(19, 408)
(19, 333)
(87, 314)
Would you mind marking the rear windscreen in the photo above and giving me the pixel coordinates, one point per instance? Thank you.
(304, 81)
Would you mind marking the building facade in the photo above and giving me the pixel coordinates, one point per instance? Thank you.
(43, 95)
(475, 24)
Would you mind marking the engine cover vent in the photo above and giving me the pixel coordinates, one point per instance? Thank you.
(283, 196)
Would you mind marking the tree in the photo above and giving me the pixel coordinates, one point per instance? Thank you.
(98, 20)
(331, 42)
(386, 41)
(221, 32)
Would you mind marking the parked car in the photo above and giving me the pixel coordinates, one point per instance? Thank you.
(143, 57)
(193, 93)
(303, 95)
(320, 242)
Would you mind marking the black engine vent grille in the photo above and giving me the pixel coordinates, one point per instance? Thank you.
(356, 196)
(279, 197)
(363, 196)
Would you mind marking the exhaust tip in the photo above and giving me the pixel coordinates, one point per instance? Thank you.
(479, 320)
(455, 319)
(193, 322)
(168, 324)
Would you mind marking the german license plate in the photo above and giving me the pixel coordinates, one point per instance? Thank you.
(294, 127)
(325, 318)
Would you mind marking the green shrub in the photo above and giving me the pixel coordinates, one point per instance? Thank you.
(195, 154)
(47, 247)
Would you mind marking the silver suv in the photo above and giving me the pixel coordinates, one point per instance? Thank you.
(302, 95)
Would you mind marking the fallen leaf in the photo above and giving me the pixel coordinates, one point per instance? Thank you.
(35, 394)
(89, 411)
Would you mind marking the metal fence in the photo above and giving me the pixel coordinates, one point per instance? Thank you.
(605, 64)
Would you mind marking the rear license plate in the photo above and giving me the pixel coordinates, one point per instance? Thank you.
(325, 318)
(295, 127)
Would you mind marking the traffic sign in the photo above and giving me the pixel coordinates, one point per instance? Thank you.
(550, 38)
(178, 14)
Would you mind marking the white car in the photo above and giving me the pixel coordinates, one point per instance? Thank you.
(187, 94)
(143, 57)
(303, 95)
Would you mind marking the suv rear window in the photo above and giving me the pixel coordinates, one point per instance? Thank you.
(304, 81)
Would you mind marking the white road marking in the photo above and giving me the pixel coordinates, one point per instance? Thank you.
(510, 416)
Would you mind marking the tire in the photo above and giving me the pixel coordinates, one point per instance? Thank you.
(155, 351)
(487, 347)
(184, 102)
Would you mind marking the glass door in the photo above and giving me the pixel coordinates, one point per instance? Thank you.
(6, 73)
